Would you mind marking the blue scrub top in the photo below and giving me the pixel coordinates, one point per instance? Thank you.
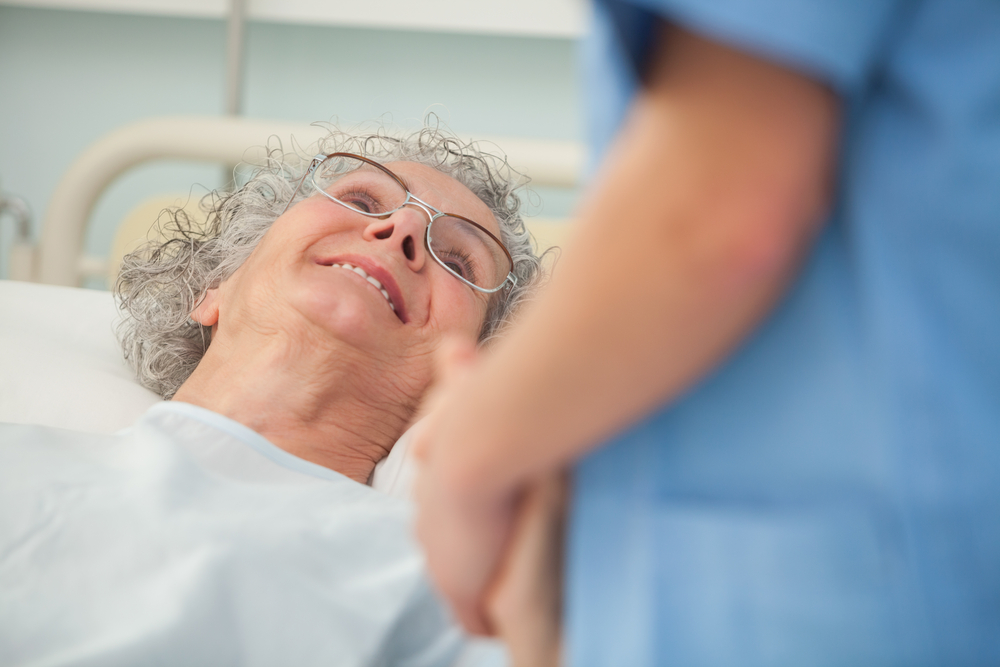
(831, 494)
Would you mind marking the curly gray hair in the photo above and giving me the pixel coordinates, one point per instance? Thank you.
(162, 282)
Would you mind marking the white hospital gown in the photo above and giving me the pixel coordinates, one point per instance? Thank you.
(189, 539)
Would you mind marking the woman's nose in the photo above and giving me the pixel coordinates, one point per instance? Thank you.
(405, 230)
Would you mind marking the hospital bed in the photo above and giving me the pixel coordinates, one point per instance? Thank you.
(59, 361)
(60, 364)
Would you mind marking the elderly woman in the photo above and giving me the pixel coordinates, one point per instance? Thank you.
(295, 336)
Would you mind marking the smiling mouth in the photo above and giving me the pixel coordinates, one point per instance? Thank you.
(371, 281)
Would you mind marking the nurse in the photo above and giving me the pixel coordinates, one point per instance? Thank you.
(770, 351)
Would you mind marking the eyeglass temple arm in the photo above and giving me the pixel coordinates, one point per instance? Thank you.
(317, 159)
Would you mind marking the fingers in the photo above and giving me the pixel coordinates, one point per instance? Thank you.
(419, 445)
(453, 358)
(524, 602)
(463, 542)
(463, 534)
(472, 618)
(453, 362)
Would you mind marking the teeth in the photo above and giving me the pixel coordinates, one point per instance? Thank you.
(361, 272)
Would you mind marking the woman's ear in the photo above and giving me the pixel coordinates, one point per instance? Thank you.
(206, 313)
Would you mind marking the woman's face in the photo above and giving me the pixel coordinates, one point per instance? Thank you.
(296, 283)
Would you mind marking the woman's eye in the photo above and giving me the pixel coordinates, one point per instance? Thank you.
(457, 268)
(360, 204)
(460, 263)
(360, 201)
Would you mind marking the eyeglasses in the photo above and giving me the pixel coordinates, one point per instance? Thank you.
(464, 248)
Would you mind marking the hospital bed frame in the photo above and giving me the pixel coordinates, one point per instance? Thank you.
(59, 258)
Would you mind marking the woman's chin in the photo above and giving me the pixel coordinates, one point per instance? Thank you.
(358, 321)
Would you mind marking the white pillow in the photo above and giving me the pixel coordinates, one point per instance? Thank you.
(61, 366)
(396, 473)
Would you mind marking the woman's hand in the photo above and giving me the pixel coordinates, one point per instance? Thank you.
(524, 603)
(464, 531)
(498, 561)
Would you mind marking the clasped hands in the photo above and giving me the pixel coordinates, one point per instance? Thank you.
(493, 549)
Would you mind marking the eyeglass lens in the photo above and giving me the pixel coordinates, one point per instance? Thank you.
(459, 246)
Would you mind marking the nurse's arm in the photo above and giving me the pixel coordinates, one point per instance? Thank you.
(701, 216)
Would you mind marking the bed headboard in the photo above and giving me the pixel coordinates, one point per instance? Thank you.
(59, 258)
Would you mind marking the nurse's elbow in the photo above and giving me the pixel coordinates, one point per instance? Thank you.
(767, 243)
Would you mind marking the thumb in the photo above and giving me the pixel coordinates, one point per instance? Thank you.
(453, 359)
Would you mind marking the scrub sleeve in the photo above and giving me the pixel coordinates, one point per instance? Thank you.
(830, 494)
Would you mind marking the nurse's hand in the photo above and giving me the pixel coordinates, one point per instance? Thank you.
(464, 530)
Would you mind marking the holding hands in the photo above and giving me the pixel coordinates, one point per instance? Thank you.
(494, 552)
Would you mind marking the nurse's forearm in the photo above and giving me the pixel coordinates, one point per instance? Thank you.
(706, 207)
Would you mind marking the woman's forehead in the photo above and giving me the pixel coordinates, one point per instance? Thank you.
(444, 193)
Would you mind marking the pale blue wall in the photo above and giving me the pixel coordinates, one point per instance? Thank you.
(67, 77)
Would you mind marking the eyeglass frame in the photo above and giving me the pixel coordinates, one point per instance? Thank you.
(411, 199)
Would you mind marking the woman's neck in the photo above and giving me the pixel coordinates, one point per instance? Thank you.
(338, 408)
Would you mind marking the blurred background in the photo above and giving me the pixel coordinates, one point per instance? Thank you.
(73, 70)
